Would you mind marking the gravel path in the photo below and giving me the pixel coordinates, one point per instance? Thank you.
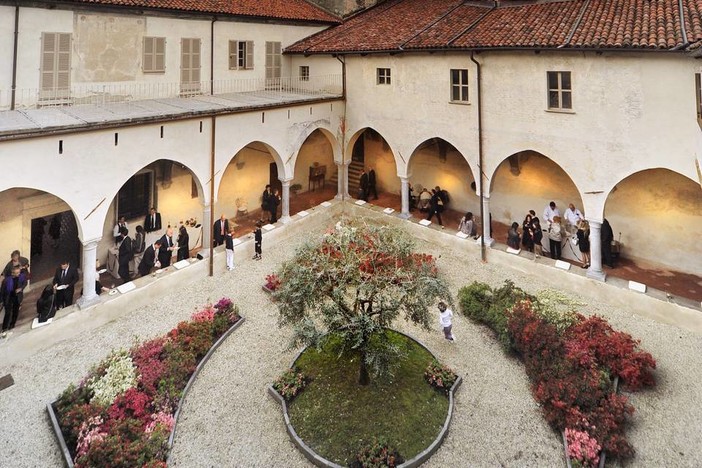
(228, 420)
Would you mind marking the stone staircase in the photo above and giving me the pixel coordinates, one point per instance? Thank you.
(355, 169)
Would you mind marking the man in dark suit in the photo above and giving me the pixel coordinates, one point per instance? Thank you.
(126, 254)
(148, 260)
(219, 230)
(67, 276)
(364, 183)
(371, 185)
(11, 295)
(167, 247)
(152, 222)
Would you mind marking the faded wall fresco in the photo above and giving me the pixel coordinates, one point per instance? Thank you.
(107, 47)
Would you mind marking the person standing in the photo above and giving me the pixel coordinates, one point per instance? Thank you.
(258, 238)
(220, 229)
(606, 237)
(445, 319)
(229, 248)
(65, 279)
(273, 202)
(555, 237)
(435, 207)
(583, 235)
(527, 239)
(139, 246)
(121, 222)
(550, 212)
(266, 201)
(573, 215)
(55, 230)
(16, 259)
(148, 260)
(37, 236)
(152, 222)
(11, 293)
(371, 184)
(364, 184)
(183, 244)
(126, 254)
(167, 247)
(537, 237)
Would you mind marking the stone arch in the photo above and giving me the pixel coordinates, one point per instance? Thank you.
(386, 161)
(245, 176)
(534, 180)
(436, 161)
(305, 135)
(658, 213)
(314, 170)
(21, 210)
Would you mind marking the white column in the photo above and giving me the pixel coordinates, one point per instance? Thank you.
(285, 217)
(486, 222)
(346, 179)
(404, 191)
(206, 230)
(89, 296)
(595, 270)
(340, 180)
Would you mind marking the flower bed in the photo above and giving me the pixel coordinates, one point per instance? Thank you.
(123, 413)
(572, 361)
(272, 283)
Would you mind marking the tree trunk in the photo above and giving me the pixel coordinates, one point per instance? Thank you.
(363, 376)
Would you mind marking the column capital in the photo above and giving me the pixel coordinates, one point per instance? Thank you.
(91, 243)
(594, 222)
(286, 181)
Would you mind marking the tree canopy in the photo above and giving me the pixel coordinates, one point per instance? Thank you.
(355, 281)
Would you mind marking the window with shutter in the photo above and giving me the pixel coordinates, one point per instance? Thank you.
(698, 95)
(241, 55)
(190, 66)
(249, 55)
(55, 74)
(154, 60)
(273, 62)
(233, 55)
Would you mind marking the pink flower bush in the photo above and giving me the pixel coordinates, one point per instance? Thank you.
(582, 448)
(165, 420)
(90, 431)
(205, 315)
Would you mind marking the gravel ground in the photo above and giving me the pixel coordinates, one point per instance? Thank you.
(229, 420)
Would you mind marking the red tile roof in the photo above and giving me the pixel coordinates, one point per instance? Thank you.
(299, 10)
(577, 24)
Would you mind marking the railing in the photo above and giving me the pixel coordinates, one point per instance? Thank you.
(102, 94)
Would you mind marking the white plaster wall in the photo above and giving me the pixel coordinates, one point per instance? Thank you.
(415, 107)
(246, 183)
(226, 31)
(320, 65)
(34, 21)
(380, 158)
(659, 216)
(630, 112)
(7, 26)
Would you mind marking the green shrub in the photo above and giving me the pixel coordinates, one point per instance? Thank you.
(378, 454)
(489, 306)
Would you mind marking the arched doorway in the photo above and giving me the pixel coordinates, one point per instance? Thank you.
(42, 227)
(525, 181)
(243, 182)
(436, 162)
(168, 186)
(315, 175)
(369, 150)
(657, 215)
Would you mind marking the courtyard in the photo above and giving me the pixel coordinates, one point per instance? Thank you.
(228, 420)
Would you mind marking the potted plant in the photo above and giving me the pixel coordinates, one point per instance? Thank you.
(294, 188)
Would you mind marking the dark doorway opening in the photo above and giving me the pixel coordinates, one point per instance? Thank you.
(273, 180)
(54, 238)
(134, 198)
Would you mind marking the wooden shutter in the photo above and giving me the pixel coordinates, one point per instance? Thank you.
(55, 74)
(160, 54)
(233, 54)
(249, 55)
(190, 65)
(148, 60)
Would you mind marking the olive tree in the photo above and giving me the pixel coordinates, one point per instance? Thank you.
(354, 282)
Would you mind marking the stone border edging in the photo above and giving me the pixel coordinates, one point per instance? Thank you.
(317, 460)
(57, 429)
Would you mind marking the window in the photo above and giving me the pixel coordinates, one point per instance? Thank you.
(273, 62)
(698, 94)
(383, 76)
(55, 65)
(154, 60)
(189, 66)
(134, 198)
(241, 55)
(559, 90)
(459, 85)
(304, 73)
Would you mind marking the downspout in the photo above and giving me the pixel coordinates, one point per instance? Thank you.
(483, 253)
(212, 190)
(212, 59)
(343, 136)
(343, 81)
(14, 59)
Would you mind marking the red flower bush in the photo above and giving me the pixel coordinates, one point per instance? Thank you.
(272, 282)
(133, 430)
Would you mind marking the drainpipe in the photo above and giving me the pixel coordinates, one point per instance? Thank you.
(343, 79)
(483, 254)
(208, 229)
(344, 170)
(212, 57)
(14, 59)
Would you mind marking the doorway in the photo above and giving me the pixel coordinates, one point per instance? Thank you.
(54, 238)
(273, 179)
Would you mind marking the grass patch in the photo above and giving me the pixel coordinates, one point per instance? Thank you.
(335, 416)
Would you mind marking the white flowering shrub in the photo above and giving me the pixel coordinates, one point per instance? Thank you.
(120, 375)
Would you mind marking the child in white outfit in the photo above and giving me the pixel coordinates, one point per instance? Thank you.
(445, 316)
(229, 248)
